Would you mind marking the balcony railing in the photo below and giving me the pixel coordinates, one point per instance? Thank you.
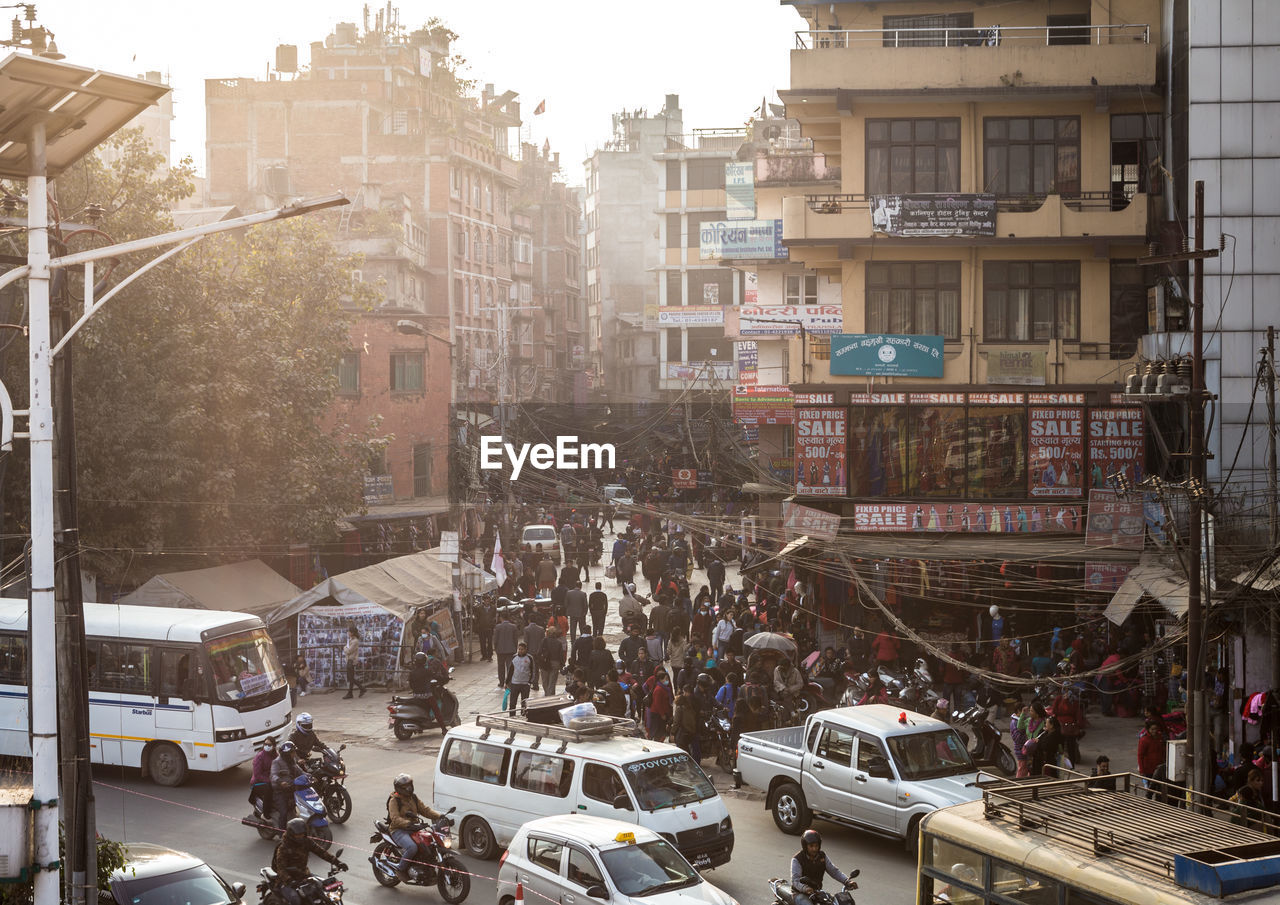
(1042, 35)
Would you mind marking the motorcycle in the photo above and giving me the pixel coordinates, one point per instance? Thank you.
(328, 774)
(408, 714)
(435, 865)
(308, 806)
(783, 894)
(985, 747)
(311, 891)
(719, 729)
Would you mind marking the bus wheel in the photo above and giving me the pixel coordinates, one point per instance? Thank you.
(167, 765)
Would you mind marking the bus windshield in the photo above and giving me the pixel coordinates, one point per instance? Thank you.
(924, 755)
(665, 782)
(245, 665)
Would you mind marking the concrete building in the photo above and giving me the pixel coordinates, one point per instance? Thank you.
(622, 250)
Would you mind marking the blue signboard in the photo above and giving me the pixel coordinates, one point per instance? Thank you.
(886, 355)
(725, 240)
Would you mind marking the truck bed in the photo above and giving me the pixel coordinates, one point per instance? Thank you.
(770, 753)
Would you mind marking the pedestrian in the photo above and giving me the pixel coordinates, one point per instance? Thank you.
(576, 603)
(1249, 801)
(722, 633)
(1048, 748)
(715, 577)
(521, 678)
(352, 653)
(534, 636)
(659, 705)
(551, 660)
(684, 722)
(885, 649)
(1100, 776)
(598, 606)
(546, 574)
(1151, 745)
(1018, 725)
(599, 662)
(505, 635)
(485, 619)
(303, 674)
(1070, 715)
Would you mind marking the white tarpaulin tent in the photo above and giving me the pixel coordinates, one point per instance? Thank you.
(1154, 578)
(243, 587)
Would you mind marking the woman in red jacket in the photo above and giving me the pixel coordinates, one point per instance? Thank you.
(1150, 750)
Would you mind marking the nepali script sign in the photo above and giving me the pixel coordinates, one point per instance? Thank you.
(780, 320)
(886, 354)
(934, 215)
(725, 240)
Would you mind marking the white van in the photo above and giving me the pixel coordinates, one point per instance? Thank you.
(503, 772)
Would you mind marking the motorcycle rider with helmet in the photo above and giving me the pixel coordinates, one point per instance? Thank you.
(290, 859)
(420, 676)
(406, 810)
(284, 770)
(304, 737)
(808, 867)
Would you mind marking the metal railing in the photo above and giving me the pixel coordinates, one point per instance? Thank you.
(991, 36)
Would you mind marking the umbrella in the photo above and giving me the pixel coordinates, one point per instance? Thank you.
(771, 641)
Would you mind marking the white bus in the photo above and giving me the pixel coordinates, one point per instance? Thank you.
(170, 690)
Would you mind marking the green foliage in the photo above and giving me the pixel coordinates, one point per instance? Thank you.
(112, 856)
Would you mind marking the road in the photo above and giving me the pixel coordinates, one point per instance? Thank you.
(203, 817)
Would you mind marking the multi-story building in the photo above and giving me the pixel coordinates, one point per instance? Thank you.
(996, 166)
(622, 250)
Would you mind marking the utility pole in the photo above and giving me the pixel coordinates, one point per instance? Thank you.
(1273, 517)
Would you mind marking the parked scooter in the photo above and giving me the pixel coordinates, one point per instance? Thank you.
(435, 864)
(328, 774)
(984, 744)
(309, 806)
(783, 894)
(409, 714)
(314, 890)
(812, 699)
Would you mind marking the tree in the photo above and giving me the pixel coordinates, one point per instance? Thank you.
(201, 391)
(111, 857)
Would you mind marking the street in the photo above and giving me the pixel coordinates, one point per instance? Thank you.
(203, 818)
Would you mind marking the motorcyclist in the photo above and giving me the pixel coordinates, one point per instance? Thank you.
(304, 737)
(424, 670)
(284, 770)
(808, 867)
(260, 784)
(406, 810)
(290, 859)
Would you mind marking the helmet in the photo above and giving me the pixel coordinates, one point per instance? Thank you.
(303, 722)
(419, 658)
(704, 679)
(297, 826)
(288, 748)
(403, 784)
(810, 837)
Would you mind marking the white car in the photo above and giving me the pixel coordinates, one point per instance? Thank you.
(617, 494)
(594, 859)
(546, 535)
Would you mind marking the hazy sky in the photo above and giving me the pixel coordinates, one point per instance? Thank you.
(586, 59)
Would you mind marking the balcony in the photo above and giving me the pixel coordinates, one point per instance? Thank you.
(968, 59)
(794, 169)
(846, 219)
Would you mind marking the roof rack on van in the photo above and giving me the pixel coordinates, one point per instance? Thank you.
(506, 722)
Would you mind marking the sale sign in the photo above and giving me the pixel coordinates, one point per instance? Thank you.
(684, 478)
(821, 437)
(1055, 452)
(1117, 445)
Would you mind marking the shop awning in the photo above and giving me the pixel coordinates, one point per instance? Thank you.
(1151, 577)
(1267, 580)
(244, 587)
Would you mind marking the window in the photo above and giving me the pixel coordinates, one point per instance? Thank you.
(711, 287)
(348, 372)
(694, 238)
(913, 155)
(488, 248)
(802, 289)
(488, 196)
(542, 773)
(675, 287)
(675, 344)
(673, 175)
(13, 659)
(460, 243)
(706, 174)
(920, 297)
(120, 667)
(1069, 28)
(933, 38)
(673, 231)
(406, 372)
(1030, 301)
(177, 675)
(582, 869)
(477, 246)
(1135, 151)
(455, 182)
(836, 745)
(1037, 155)
(422, 469)
(871, 756)
(709, 344)
(483, 763)
(545, 853)
(1128, 307)
(602, 783)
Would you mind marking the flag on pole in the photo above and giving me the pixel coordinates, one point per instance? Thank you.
(541, 108)
(498, 567)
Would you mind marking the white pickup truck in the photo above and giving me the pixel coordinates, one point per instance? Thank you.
(873, 767)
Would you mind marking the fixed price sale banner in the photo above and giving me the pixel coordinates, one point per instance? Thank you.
(1117, 445)
(821, 438)
(1056, 452)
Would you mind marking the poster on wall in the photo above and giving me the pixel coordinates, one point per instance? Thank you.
(762, 404)
(798, 520)
(878, 446)
(748, 354)
(322, 635)
(820, 451)
(684, 478)
(740, 190)
(1055, 452)
(1115, 522)
(966, 518)
(934, 215)
(1117, 445)
(1106, 576)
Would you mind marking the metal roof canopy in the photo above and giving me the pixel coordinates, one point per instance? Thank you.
(80, 107)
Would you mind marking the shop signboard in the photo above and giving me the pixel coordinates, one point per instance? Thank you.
(785, 320)
(762, 404)
(1016, 367)
(934, 215)
(378, 490)
(690, 316)
(727, 240)
(1117, 445)
(967, 518)
(748, 362)
(1055, 452)
(700, 370)
(740, 190)
(886, 355)
(1106, 576)
(684, 478)
(782, 468)
(799, 520)
(1115, 522)
(821, 443)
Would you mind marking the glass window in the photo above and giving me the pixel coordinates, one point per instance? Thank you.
(473, 760)
(675, 344)
(673, 175)
(602, 783)
(928, 30)
(667, 781)
(836, 745)
(123, 667)
(914, 297)
(1032, 155)
(706, 174)
(997, 452)
(648, 868)
(1020, 886)
(1030, 301)
(194, 886)
(545, 853)
(709, 344)
(1128, 306)
(542, 773)
(178, 674)
(871, 756)
(582, 869)
(802, 289)
(13, 659)
(711, 287)
(348, 372)
(937, 451)
(407, 371)
(694, 238)
(878, 451)
(925, 755)
(673, 231)
(245, 664)
(961, 869)
(913, 155)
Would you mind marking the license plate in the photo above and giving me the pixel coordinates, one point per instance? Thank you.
(703, 860)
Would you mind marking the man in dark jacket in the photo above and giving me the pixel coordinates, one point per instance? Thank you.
(284, 770)
(715, 577)
(575, 607)
(810, 865)
(598, 605)
(582, 648)
(290, 859)
(630, 645)
(534, 634)
(505, 635)
(485, 618)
